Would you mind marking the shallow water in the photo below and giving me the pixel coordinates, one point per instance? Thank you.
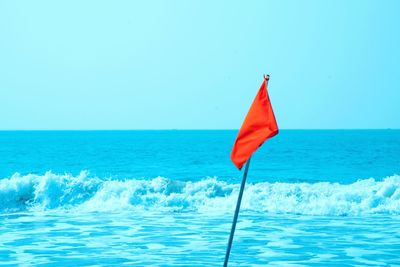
(166, 198)
(188, 239)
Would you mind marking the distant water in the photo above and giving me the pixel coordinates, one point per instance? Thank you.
(166, 198)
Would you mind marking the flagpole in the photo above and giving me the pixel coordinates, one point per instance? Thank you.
(235, 217)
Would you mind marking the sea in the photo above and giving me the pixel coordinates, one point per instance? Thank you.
(167, 198)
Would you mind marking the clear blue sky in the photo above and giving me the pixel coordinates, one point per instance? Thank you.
(198, 64)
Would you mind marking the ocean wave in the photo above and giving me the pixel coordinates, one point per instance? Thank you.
(91, 194)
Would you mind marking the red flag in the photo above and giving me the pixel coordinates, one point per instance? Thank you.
(258, 126)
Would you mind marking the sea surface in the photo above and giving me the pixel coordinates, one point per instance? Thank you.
(166, 198)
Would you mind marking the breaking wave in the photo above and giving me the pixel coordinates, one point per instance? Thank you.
(90, 194)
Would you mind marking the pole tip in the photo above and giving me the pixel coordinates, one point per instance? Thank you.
(266, 77)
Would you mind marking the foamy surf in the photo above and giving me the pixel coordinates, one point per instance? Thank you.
(89, 194)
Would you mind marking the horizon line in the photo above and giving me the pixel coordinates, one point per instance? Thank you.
(185, 129)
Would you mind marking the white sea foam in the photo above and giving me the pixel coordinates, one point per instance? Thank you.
(85, 193)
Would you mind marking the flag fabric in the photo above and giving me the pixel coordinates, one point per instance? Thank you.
(257, 127)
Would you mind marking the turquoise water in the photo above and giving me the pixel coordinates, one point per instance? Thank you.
(166, 198)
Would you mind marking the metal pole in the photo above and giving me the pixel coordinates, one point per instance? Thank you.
(235, 217)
